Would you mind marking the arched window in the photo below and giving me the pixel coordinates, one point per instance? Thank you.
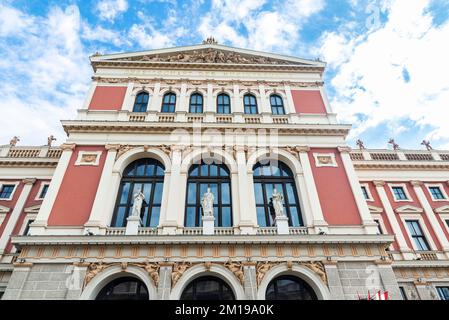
(250, 104)
(196, 103)
(289, 288)
(277, 105)
(267, 177)
(217, 178)
(141, 102)
(169, 102)
(147, 176)
(208, 288)
(223, 104)
(126, 288)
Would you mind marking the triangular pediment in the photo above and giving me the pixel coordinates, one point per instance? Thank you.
(408, 209)
(4, 209)
(374, 209)
(207, 54)
(33, 209)
(443, 209)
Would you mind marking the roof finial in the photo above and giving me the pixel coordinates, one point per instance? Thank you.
(210, 40)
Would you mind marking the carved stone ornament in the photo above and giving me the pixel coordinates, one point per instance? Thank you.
(123, 149)
(89, 158)
(324, 159)
(318, 268)
(178, 270)
(237, 269)
(262, 268)
(92, 270)
(209, 56)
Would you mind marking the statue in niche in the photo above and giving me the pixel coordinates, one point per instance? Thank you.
(278, 206)
(207, 203)
(137, 206)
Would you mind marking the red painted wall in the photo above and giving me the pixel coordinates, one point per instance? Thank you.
(308, 101)
(335, 193)
(107, 98)
(77, 192)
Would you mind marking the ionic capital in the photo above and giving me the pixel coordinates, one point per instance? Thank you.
(29, 181)
(344, 149)
(112, 147)
(302, 149)
(416, 183)
(67, 146)
(379, 183)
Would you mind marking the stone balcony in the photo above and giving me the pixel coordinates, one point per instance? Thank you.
(398, 156)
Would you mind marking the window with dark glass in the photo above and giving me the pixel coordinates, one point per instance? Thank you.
(141, 102)
(126, 288)
(379, 229)
(436, 192)
(365, 193)
(169, 103)
(417, 235)
(146, 176)
(207, 288)
(403, 294)
(250, 104)
(43, 191)
(217, 178)
(27, 227)
(6, 191)
(399, 193)
(223, 104)
(443, 292)
(289, 288)
(196, 103)
(277, 105)
(268, 177)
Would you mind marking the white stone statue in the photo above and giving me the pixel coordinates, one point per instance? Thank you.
(207, 202)
(278, 203)
(137, 206)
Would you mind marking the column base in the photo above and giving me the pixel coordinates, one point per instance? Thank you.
(282, 225)
(132, 226)
(208, 225)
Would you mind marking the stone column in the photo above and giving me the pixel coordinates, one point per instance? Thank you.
(333, 280)
(237, 105)
(164, 285)
(403, 247)
(388, 279)
(104, 192)
(178, 182)
(417, 186)
(289, 104)
(17, 281)
(18, 208)
(318, 218)
(367, 220)
(250, 280)
(247, 206)
(39, 225)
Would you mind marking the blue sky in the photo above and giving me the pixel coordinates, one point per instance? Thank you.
(387, 60)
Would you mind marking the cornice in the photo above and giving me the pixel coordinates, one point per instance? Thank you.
(29, 162)
(431, 166)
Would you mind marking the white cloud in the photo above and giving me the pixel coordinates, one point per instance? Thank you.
(110, 9)
(370, 82)
(148, 37)
(46, 77)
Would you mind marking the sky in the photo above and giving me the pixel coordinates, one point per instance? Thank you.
(387, 60)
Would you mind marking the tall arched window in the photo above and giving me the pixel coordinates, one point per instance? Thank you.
(207, 288)
(169, 102)
(126, 288)
(267, 177)
(223, 104)
(147, 176)
(141, 102)
(289, 288)
(196, 103)
(277, 105)
(250, 104)
(217, 178)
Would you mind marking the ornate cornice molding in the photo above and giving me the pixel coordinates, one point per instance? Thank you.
(68, 146)
(379, 183)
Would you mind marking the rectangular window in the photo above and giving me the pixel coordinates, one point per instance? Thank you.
(379, 229)
(6, 191)
(443, 292)
(365, 193)
(399, 193)
(27, 228)
(436, 193)
(43, 191)
(403, 294)
(417, 235)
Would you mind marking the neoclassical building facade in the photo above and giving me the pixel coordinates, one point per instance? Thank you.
(214, 172)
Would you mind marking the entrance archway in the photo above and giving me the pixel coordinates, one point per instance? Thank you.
(124, 288)
(289, 287)
(208, 288)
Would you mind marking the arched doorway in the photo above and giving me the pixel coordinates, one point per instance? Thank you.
(125, 288)
(289, 287)
(208, 288)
